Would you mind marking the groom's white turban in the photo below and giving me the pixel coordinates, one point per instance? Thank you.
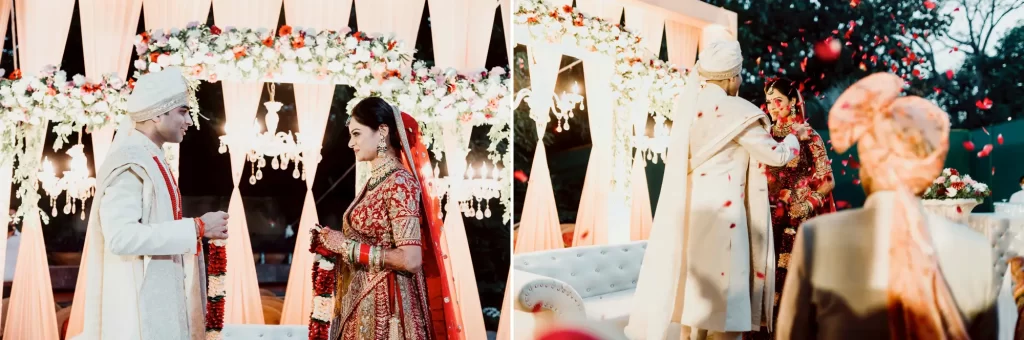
(158, 92)
(720, 59)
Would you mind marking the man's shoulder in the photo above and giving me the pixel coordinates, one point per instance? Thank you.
(738, 108)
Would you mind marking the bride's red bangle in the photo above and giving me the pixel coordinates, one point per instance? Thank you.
(364, 253)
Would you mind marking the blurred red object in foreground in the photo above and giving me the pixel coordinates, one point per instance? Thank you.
(566, 334)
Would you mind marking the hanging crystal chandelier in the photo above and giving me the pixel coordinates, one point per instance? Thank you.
(284, 148)
(76, 182)
(563, 106)
(481, 184)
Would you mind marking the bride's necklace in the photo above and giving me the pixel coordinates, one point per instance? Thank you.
(382, 171)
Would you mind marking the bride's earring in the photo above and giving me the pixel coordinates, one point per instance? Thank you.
(382, 148)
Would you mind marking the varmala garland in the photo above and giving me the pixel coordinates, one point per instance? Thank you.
(216, 293)
(324, 276)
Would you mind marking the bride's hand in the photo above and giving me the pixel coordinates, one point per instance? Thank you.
(802, 131)
(333, 240)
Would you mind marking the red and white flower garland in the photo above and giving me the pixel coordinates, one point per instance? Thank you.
(324, 274)
(216, 292)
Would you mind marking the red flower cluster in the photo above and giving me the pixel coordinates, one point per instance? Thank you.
(217, 266)
(217, 261)
(323, 281)
(319, 331)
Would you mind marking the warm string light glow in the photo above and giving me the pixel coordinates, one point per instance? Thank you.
(284, 148)
(75, 183)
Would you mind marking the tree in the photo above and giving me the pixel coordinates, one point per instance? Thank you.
(780, 37)
(977, 79)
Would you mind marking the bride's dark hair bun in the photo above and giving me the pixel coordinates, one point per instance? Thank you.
(374, 112)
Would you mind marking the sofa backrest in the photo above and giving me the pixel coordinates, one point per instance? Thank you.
(265, 332)
(591, 270)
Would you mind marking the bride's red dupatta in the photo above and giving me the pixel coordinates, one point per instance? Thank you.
(444, 317)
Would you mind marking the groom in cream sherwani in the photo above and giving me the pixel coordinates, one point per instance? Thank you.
(709, 265)
(145, 270)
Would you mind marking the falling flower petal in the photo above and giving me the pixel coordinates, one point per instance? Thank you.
(728, 203)
(760, 275)
(969, 145)
(985, 151)
(520, 176)
(929, 4)
(1000, 139)
(949, 74)
(732, 226)
(984, 104)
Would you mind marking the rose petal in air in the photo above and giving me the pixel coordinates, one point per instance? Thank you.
(969, 145)
(728, 203)
(999, 139)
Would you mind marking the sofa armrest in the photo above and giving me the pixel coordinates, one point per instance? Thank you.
(546, 293)
(267, 332)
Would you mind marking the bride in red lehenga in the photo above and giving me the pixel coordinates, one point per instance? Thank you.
(391, 281)
(799, 190)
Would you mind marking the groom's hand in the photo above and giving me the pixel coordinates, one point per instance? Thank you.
(216, 225)
(802, 131)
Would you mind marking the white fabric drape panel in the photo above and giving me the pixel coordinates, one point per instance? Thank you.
(108, 30)
(610, 10)
(461, 31)
(401, 17)
(241, 100)
(254, 14)
(313, 103)
(318, 14)
(640, 216)
(682, 42)
(539, 228)
(170, 14)
(42, 27)
(7, 169)
(649, 23)
(592, 218)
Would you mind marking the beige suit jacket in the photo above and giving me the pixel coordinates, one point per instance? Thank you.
(838, 275)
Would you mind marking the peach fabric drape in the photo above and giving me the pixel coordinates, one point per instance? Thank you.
(592, 222)
(7, 169)
(241, 100)
(461, 32)
(42, 28)
(650, 23)
(682, 42)
(313, 103)
(108, 30)
(505, 323)
(401, 17)
(539, 227)
(610, 10)
(174, 14)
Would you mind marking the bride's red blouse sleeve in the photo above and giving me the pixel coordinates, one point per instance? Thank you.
(403, 211)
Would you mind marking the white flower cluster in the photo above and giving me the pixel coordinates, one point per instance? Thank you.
(323, 307)
(953, 185)
(216, 286)
(636, 78)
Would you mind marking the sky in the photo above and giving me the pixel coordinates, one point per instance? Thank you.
(947, 61)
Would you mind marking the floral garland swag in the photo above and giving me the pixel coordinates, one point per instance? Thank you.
(216, 291)
(324, 275)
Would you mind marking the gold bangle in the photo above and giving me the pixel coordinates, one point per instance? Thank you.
(380, 258)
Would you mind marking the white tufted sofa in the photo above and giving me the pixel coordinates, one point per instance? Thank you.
(592, 282)
(265, 332)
